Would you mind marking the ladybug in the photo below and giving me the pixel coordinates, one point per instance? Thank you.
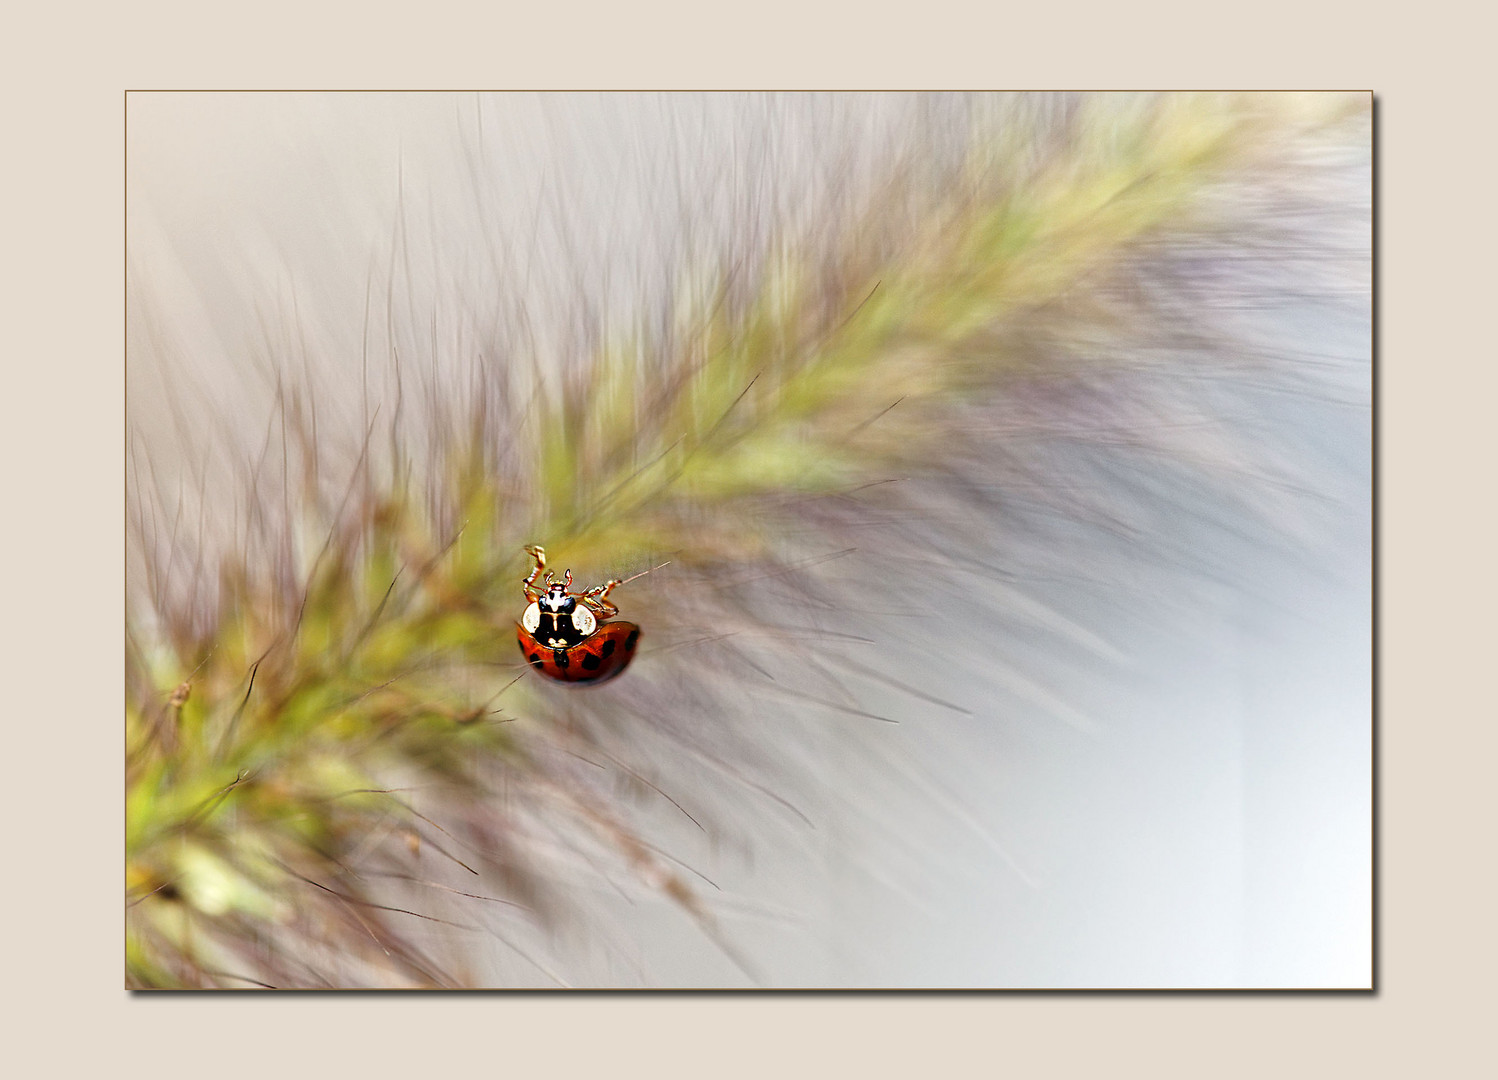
(566, 636)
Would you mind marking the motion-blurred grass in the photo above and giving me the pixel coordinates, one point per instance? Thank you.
(338, 772)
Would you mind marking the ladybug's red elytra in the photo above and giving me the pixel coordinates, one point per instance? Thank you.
(566, 635)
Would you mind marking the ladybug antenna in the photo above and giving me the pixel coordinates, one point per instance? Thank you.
(569, 578)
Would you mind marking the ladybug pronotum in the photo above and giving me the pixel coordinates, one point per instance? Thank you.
(566, 635)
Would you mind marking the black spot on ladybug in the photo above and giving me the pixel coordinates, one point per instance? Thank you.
(608, 648)
(535, 658)
(560, 658)
(558, 630)
(629, 642)
(591, 662)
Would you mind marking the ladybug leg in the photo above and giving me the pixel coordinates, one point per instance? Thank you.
(597, 598)
(539, 554)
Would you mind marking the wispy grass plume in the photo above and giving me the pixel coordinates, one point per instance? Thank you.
(339, 772)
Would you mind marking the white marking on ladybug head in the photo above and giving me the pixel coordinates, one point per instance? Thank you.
(583, 620)
(531, 619)
(556, 599)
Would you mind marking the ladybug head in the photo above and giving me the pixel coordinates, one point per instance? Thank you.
(556, 598)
